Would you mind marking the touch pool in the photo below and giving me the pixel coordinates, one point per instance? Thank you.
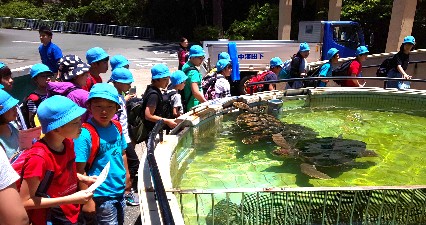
(219, 159)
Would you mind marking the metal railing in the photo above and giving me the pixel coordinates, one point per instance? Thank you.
(78, 27)
(166, 213)
(316, 79)
(306, 205)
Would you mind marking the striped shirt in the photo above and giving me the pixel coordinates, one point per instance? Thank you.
(32, 106)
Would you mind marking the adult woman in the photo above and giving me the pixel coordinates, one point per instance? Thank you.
(183, 52)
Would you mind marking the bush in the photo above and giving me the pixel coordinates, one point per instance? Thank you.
(204, 33)
(22, 10)
(261, 23)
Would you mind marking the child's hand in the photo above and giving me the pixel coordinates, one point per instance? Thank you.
(86, 179)
(129, 96)
(170, 122)
(81, 197)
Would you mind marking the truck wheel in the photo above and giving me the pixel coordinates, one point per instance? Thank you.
(243, 82)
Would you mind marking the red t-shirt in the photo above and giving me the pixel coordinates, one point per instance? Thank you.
(354, 68)
(92, 80)
(64, 180)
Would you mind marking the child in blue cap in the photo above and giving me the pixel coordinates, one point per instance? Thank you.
(399, 64)
(177, 83)
(6, 77)
(60, 120)
(9, 134)
(222, 88)
(40, 75)
(108, 199)
(122, 79)
(118, 61)
(152, 98)
(193, 92)
(327, 69)
(98, 59)
(298, 66)
(355, 68)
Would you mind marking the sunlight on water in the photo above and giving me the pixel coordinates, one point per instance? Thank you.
(221, 160)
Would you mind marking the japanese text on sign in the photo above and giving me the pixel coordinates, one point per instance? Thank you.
(250, 56)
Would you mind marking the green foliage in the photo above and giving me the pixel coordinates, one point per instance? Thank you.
(261, 23)
(204, 33)
(22, 10)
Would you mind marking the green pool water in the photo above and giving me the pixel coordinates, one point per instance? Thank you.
(220, 160)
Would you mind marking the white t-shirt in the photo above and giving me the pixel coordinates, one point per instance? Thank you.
(222, 87)
(8, 175)
(177, 101)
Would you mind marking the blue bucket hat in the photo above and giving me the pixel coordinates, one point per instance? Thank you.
(224, 55)
(276, 61)
(303, 47)
(105, 91)
(409, 40)
(56, 111)
(222, 64)
(361, 50)
(39, 68)
(118, 61)
(178, 77)
(159, 71)
(196, 51)
(122, 75)
(6, 102)
(331, 52)
(95, 54)
(71, 66)
(2, 64)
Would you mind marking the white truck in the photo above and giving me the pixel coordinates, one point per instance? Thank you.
(252, 56)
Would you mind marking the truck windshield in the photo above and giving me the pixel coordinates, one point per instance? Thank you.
(346, 36)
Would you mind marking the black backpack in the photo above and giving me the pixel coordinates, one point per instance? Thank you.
(342, 71)
(168, 104)
(384, 68)
(136, 117)
(312, 73)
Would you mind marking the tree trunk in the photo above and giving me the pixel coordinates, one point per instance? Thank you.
(217, 14)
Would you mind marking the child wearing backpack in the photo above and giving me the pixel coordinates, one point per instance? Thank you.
(41, 75)
(355, 67)
(73, 72)
(102, 141)
(326, 70)
(222, 88)
(400, 64)
(49, 182)
(177, 83)
(9, 133)
(153, 103)
(298, 66)
(98, 59)
(122, 80)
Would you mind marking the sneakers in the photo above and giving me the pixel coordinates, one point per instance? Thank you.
(132, 199)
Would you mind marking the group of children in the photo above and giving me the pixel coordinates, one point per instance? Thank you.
(84, 128)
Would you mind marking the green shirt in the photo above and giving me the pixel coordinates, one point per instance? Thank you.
(194, 76)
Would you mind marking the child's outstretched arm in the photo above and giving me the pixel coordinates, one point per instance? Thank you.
(31, 201)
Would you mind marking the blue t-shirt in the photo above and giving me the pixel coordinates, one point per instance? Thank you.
(10, 144)
(111, 148)
(50, 54)
(325, 71)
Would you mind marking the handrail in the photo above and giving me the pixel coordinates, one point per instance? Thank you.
(411, 62)
(166, 213)
(385, 79)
